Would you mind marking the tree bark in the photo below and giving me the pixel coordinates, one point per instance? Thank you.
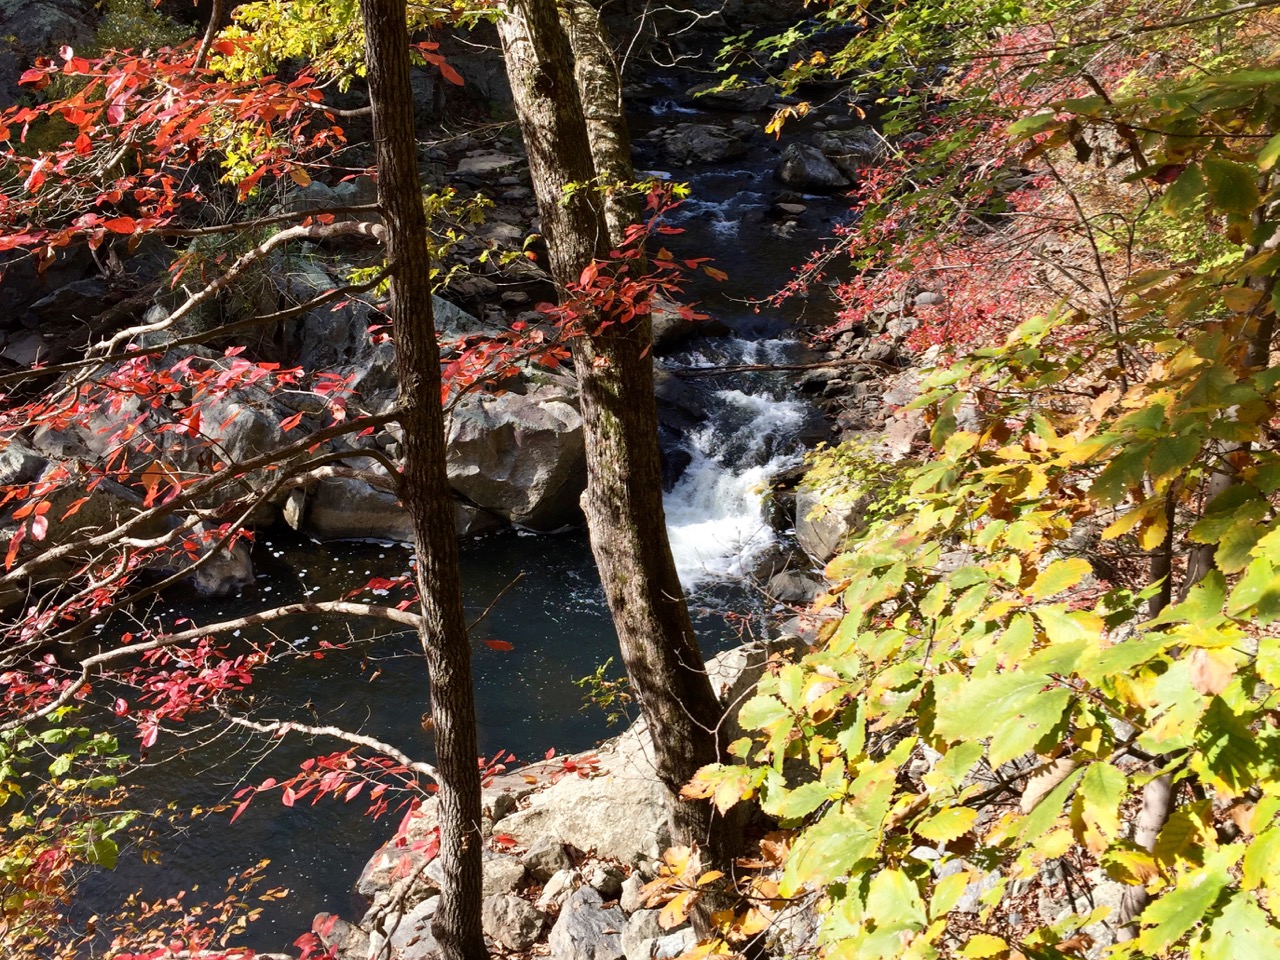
(424, 486)
(623, 501)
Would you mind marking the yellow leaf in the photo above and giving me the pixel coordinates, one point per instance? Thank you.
(982, 945)
(677, 910)
(1155, 532)
(299, 176)
(1059, 576)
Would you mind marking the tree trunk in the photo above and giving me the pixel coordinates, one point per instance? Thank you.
(623, 502)
(424, 486)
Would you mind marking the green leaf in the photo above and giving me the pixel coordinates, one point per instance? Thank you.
(983, 703)
(1185, 192)
(1173, 914)
(102, 851)
(1233, 187)
(827, 851)
(1102, 790)
(796, 803)
(893, 900)
(761, 712)
(1242, 931)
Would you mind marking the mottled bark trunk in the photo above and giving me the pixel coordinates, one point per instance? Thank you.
(424, 486)
(623, 502)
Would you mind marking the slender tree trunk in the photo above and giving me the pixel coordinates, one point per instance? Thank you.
(424, 485)
(623, 502)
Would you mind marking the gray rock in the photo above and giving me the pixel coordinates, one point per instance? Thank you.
(485, 162)
(790, 586)
(545, 858)
(929, 299)
(521, 457)
(851, 151)
(824, 522)
(513, 923)
(502, 874)
(558, 889)
(587, 930)
(411, 937)
(342, 508)
(629, 898)
(20, 464)
(641, 932)
(746, 99)
(807, 168)
(674, 944)
(401, 858)
(227, 572)
(701, 143)
(348, 941)
(605, 878)
(620, 813)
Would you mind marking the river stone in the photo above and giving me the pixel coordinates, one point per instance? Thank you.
(510, 921)
(344, 508)
(690, 143)
(642, 929)
(545, 858)
(807, 168)
(587, 930)
(619, 813)
(412, 938)
(629, 899)
(502, 874)
(825, 521)
(790, 586)
(746, 99)
(520, 456)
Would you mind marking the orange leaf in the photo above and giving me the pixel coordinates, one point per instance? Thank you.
(498, 645)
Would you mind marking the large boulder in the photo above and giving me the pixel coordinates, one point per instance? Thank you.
(587, 930)
(29, 28)
(619, 813)
(824, 522)
(806, 167)
(748, 98)
(520, 456)
(691, 143)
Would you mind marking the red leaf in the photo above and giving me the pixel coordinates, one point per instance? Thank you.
(288, 797)
(121, 707)
(75, 507)
(288, 423)
(551, 752)
(121, 225)
(240, 809)
(498, 645)
(39, 527)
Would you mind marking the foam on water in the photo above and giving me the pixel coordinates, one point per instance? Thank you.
(716, 511)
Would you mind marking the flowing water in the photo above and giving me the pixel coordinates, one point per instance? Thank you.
(549, 605)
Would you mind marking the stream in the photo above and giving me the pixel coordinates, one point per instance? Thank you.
(549, 605)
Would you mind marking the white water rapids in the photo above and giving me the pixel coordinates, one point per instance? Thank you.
(716, 516)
